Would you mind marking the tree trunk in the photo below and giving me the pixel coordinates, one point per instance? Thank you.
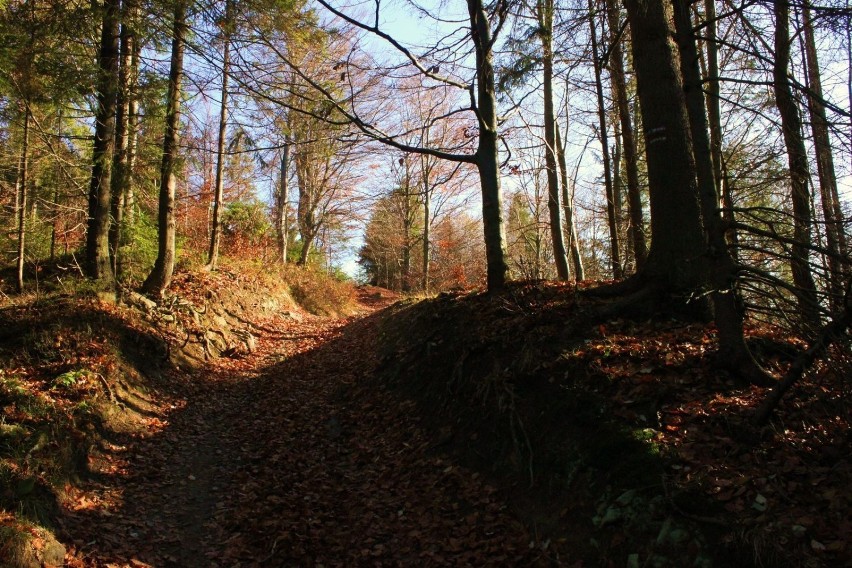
(674, 269)
(281, 205)
(21, 199)
(628, 139)
(305, 176)
(161, 275)
(121, 172)
(128, 216)
(711, 86)
(733, 351)
(218, 195)
(97, 236)
(407, 223)
(486, 153)
(307, 242)
(791, 126)
(568, 209)
(835, 238)
(427, 212)
(545, 20)
(54, 226)
(714, 118)
(612, 217)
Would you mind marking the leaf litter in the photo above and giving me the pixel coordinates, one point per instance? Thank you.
(294, 454)
(280, 458)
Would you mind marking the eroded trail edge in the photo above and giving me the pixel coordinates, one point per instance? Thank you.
(291, 456)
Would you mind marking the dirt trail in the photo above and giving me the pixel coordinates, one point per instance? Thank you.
(293, 456)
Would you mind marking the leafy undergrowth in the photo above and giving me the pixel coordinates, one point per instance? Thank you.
(617, 441)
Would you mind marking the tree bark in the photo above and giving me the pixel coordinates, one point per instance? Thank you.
(545, 20)
(711, 86)
(612, 217)
(829, 197)
(486, 154)
(675, 267)
(54, 226)
(407, 223)
(218, 195)
(281, 205)
(307, 241)
(21, 199)
(733, 351)
(128, 215)
(121, 171)
(426, 170)
(161, 275)
(568, 209)
(97, 235)
(797, 156)
(628, 139)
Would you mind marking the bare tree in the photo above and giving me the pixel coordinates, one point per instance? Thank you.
(484, 24)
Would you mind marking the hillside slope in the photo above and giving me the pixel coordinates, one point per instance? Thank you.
(619, 440)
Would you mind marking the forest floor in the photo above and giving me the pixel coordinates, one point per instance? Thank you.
(274, 459)
(463, 430)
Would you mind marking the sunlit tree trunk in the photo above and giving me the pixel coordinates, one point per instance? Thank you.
(128, 216)
(121, 170)
(281, 205)
(218, 194)
(407, 223)
(791, 126)
(21, 196)
(54, 228)
(161, 275)
(97, 236)
(427, 214)
(568, 210)
(612, 217)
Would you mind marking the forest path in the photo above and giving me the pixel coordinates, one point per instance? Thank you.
(292, 456)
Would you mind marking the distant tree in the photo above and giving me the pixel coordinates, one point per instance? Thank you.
(483, 25)
(835, 236)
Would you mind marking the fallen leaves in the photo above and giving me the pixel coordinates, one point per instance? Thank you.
(288, 457)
